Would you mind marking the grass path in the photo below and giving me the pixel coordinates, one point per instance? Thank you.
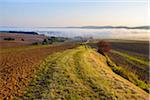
(80, 74)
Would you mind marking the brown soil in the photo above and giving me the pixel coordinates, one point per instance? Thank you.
(18, 66)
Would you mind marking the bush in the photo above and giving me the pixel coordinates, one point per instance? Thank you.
(103, 46)
(45, 41)
(22, 39)
(35, 43)
(9, 38)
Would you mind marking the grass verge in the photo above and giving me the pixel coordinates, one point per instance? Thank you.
(127, 75)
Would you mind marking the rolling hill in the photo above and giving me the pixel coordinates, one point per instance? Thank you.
(79, 74)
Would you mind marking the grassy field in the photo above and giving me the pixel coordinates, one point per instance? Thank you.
(131, 60)
(53, 72)
(28, 39)
(79, 74)
(18, 65)
(134, 69)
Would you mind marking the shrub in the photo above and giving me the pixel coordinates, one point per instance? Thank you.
(54, 39)
(35, 43)
(103, 46)
(9, 38)
(45, 41)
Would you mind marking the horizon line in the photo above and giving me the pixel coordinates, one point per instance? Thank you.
(76, 26)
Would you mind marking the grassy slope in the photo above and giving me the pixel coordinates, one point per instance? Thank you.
(80, 73)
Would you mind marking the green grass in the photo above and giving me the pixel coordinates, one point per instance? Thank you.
(128, 75)
(131, 57)
(79, 74)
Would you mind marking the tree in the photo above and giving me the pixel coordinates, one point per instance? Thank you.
(22, 39)
(103, 46)
(35, 43)
(45, 41)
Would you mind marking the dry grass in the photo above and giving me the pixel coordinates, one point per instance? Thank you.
(80, 74)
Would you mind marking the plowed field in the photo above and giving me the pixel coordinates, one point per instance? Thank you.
(18, 65)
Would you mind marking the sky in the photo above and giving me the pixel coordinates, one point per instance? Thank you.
(62, 13)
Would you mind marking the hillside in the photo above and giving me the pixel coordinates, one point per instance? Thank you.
(79, 74)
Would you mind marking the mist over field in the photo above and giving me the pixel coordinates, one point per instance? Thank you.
(127, 34)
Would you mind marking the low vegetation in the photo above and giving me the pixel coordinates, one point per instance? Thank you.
(79, 74)
(9, 38)
(18, 65)
(128, 74)
(50, 40)
(38, 72)
(146, 63)
(133, 66)
(103, 46)
(35, 43)
(136, 55)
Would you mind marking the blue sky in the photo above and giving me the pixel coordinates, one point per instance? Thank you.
(55, 13)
